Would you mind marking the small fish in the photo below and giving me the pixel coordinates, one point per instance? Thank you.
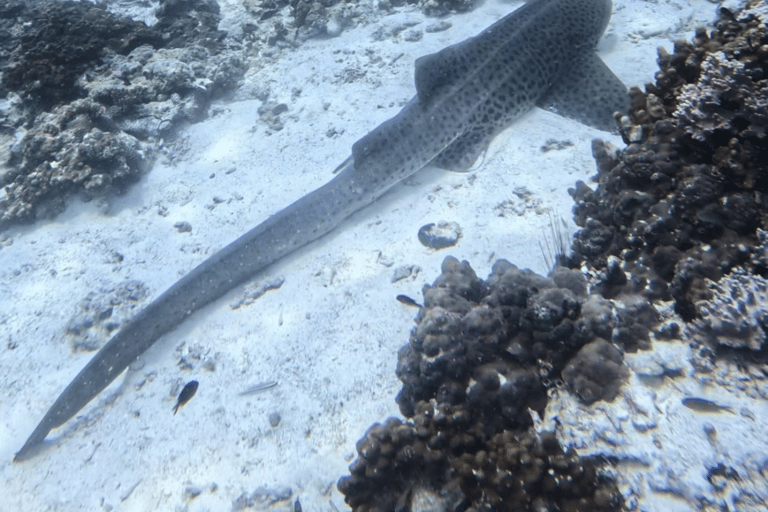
(261, 386)
(703, 405)
(408, 301)
(186, 394)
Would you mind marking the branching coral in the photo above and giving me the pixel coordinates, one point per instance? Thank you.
(727, 96)
(684, 201)
(735, 314)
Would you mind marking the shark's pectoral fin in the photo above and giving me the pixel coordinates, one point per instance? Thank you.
(589, 93)
(463, 151)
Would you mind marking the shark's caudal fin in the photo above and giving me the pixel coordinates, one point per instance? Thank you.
(589, 93)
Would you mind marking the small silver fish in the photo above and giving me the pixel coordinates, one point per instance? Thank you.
(704, 405)
(261, 386)
(186, 394)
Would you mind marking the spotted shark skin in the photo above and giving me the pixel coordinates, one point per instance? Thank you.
(541, 54)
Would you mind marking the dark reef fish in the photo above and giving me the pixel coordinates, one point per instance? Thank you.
(186, 395)
(541, 54)
(404, 299)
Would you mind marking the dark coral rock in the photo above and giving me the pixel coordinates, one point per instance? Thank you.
(439, 236)
(391, 456)
(596, 238)
(186, 22)
(527, 472)
(598, 315)
(714, 105)
(91, 92)
(513, 471)
(635, 316)
(685, 200)
(479, 359)
(571, 279)
(468, 324)
(77, 147)
(435, 7)
(596, 372)
(443, 7)
(509, 390)
(611, 280)
(311, 17)
(457, 281)
(549, 308)
(60, 41)
(512, 287)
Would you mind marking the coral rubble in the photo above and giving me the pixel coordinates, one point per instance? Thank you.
(103, 312)
(88, 94)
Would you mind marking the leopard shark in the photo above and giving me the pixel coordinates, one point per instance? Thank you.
(541, 54)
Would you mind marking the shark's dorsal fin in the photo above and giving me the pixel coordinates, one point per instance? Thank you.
(439, 69)
(589, 93)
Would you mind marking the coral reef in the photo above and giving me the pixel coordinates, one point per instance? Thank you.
(60, 41)
(76, 147)
(405, 467)
(724, 98)
(480, 358)
(736, 314)
(90, 92)
(683, 204)
(595, 372)
(189, 22)
(438, 7)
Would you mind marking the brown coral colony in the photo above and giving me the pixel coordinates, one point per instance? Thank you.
(482, 356)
